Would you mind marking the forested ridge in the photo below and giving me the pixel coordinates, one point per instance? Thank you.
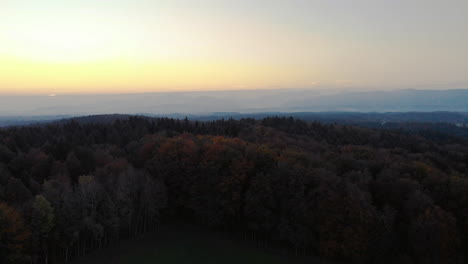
(348, 193)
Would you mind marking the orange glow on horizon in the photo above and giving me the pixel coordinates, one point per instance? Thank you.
(85, 46)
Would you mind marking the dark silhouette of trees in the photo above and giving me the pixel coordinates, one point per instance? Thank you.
(354, 194)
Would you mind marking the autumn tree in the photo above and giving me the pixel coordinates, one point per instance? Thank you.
(13, 235)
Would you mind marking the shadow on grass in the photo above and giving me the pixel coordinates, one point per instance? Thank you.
(188, 244)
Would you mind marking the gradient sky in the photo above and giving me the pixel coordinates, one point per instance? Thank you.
(52, 46)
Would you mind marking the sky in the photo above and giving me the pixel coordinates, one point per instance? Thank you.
(133, 46)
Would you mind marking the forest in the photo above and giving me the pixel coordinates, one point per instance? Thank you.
(347, 193)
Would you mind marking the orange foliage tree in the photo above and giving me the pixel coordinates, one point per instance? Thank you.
(13, 234)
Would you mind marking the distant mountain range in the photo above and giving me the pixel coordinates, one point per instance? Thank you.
(389, 101)
(244, 101)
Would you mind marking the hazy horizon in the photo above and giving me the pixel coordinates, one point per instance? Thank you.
(56, 47)
(242, 101)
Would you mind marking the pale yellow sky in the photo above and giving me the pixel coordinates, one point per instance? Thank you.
(49, 46)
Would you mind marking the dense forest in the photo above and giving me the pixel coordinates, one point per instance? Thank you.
(348, 193)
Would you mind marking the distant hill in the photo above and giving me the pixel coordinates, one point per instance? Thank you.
(433, 124)
(245, 101)
(430, 117)
(6, 121)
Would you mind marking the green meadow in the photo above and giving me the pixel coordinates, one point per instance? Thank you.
(174, 245)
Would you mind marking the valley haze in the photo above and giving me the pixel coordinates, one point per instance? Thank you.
(239, 101)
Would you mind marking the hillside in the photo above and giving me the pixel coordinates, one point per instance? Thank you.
(340, 192)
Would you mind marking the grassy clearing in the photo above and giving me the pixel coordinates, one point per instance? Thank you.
(174, 245)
